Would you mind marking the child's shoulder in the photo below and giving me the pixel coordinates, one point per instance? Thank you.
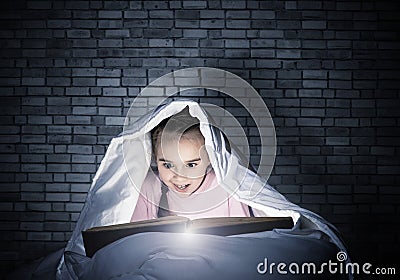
(210, 181)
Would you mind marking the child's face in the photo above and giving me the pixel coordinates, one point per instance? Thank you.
(182, 164)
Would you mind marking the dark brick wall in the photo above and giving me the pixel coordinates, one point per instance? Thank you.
(328, 70)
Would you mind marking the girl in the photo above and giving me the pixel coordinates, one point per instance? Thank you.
(183, 183)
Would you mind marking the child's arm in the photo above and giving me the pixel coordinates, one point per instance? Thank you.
(238, 209)
(150, 193)
(141, 210)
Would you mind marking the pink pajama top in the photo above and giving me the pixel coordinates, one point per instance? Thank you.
(210, 200)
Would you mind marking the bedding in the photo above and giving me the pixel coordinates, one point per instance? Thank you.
(185, 256)
(191, 256)
(114, 194)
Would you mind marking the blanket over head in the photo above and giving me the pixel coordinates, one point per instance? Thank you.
(116, 185)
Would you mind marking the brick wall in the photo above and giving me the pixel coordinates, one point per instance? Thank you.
(328, 70)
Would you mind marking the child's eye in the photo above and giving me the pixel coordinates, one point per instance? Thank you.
(191, 165)
(167, 165)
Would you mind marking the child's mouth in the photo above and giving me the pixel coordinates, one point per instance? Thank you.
(181, 188)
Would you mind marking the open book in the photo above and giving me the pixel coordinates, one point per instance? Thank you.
(98, 237)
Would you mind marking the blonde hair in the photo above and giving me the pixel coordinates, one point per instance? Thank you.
(179, 126)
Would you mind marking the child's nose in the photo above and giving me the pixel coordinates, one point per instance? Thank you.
(179, 175)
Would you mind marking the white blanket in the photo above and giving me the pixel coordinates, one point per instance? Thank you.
(183, 256)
